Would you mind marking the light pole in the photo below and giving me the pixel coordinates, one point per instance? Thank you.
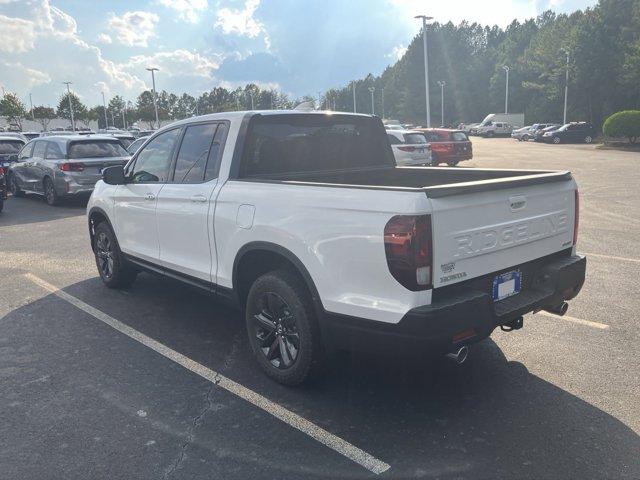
(506, 93)
(566, 89)
(426, 64)
(354, 96)
(382, 93)
(31, 104)
(373, 110)
(442, 83)
(251, 95)
(155, 102)
(124, 122)
(73, 122)
(104, 108)
(237, 103)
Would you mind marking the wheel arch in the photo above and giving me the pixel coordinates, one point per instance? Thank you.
(271, 256)
(96, 216)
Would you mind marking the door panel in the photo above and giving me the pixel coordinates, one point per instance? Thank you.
(185, 206)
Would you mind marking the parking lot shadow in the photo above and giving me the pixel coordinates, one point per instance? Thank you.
(489, 418)
(33, 209)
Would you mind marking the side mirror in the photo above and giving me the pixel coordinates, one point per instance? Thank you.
(114, 175)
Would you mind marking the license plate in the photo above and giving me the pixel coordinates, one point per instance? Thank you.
(506, 285)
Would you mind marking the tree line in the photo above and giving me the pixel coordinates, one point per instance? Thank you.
(603, 43)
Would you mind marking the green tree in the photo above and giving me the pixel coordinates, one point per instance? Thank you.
(79, 109)
(44, 115)
(144, 108)
(12, 108)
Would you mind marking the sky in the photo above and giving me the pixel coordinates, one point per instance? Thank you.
(295, 46)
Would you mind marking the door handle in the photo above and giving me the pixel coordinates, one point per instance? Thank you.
(150, 196)
(198, 198)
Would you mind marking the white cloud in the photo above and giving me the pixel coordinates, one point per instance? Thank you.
(16, 35)
(240, 21)
(104, 38)
(133, 29)
(187, 10)
(174, 63)
(27, 77)
(397, 53)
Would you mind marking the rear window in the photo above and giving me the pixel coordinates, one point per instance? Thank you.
(414, 138)
(10, 146)
(298, 143)
(459, 137)
(96, 149)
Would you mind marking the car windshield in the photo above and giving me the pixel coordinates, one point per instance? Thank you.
(459, 136)
(96, 149)
(10, 146)
(414, 138)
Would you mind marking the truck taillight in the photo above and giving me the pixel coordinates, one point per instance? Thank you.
(407, 244)
(576, 218)
(72, 167)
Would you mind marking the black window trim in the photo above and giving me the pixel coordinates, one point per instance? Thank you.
(46, 151)
(132, 163)
(174, 160)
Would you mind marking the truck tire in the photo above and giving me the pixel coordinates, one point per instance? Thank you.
(113, 268)
(13, 186)
(283, 328)
(50, 194)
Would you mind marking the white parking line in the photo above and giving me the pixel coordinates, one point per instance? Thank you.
(292, 419)
(611, 257)
(587, 323)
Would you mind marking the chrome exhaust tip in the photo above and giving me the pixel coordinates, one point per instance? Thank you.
(459, 356)
(560, 309)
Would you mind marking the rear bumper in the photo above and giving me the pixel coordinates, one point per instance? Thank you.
(464, 315)
(68, 185)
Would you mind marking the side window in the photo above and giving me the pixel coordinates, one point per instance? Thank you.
(215, 154)
(38, 149)
(26, 151)
(194, 151)
(393, 140)
(152, 163)
(53, 151)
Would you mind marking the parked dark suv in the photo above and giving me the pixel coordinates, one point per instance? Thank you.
(577, 132)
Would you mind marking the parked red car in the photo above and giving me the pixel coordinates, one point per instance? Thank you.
(448, 145)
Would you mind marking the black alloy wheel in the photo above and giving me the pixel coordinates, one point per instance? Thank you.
(104, 255)
(50, 195)
(276, 331)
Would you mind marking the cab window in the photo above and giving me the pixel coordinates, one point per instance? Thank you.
(153, 161)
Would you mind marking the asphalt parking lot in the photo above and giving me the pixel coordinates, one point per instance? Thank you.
(113, 384)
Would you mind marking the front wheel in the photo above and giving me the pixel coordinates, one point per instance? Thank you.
(588, 139)
(112, 266)
(556, 140)
(282, 327)
(50, 194)
(14, 188)
(489, 134)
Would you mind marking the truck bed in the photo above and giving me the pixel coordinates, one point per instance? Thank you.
(434, 181)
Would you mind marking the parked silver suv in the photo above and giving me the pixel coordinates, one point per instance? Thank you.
(60, 166)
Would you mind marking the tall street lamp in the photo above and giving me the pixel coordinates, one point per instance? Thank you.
(31, 104)
(426, 64)
(353, 86)
(506, 93)
(442, 83)
(155, 101)
(104, 109)
(73, 122)
(373, 110)
(566, 88)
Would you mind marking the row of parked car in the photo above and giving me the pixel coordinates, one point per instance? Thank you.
(574, 132)
(60, 164)
(428, 146)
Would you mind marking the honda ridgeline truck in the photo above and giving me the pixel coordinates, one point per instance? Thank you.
(304, 220)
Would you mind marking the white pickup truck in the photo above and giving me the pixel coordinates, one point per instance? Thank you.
(305, 222)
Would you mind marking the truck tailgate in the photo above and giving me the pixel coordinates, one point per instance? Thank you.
(482, 232)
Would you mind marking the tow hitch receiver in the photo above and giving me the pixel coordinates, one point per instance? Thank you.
(515, 324)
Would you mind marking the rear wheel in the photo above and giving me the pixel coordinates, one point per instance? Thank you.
(113, 268)
(50, 194)
(282, 328)
(556, 140)
(525, 138)
(588, 139)
(1, 204)
(14, 188)
(489, 134)
(452, 163)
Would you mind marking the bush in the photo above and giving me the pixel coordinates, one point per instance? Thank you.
(623, 124)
